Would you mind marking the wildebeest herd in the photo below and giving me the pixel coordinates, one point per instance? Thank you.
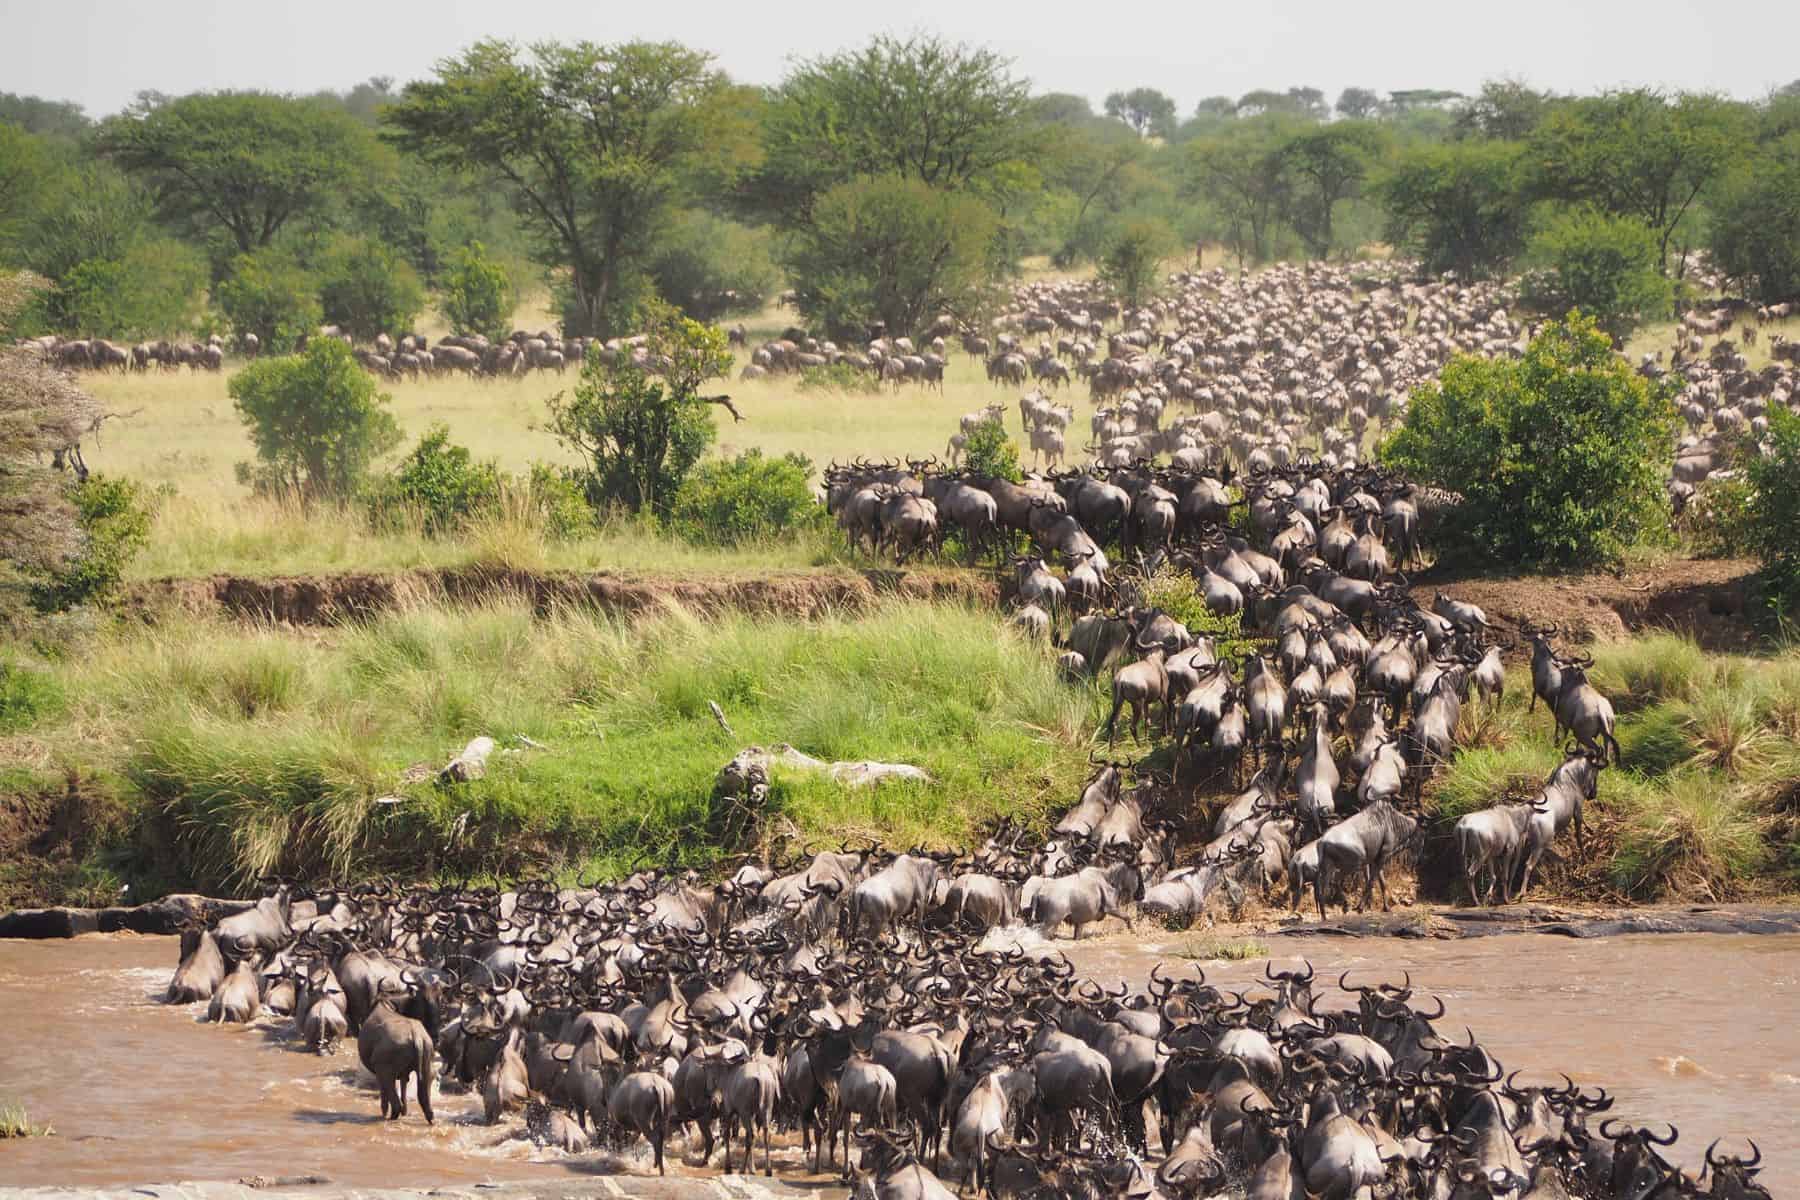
(845, 995)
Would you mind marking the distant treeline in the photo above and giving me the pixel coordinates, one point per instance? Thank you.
(907, 176)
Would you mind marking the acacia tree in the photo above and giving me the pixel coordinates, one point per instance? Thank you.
(592, 142)
(1359, 104)
(1244, 173)
(919, 108)
(1458, 207)
(639, 420)
(1639, 154)
(1327, 165)
(244, 162)
(1145, 109)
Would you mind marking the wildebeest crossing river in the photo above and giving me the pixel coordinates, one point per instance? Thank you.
(1700, 1030)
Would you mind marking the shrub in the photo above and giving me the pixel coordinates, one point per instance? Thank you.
(270, 295)
(990, 454)
(839, 377)
(316, 420)
(639, 433)
(154, 290)
(1755, 228)
(748, 497)
(477, 293)
(1559, 456)
(114, 515)
(440, 481)
(1606, 266)
(559, 499)
(1773, 506)
(368, 289)
(708, 267)
(892, 249)
(1131, 264)
(1719, 518)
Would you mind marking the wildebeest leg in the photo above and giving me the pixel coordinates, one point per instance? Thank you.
(1112, 721)
(1319, 886)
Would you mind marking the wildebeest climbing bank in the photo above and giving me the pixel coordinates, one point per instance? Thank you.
(585, 619)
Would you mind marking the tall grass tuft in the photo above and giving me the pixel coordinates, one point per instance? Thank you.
(1650, 669)
(16, 1123)
(1687, 836)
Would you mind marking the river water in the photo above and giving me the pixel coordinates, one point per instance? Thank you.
(1703, 1030)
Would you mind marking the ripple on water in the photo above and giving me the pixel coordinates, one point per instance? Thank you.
(1682, 1067)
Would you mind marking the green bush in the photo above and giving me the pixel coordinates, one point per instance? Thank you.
(438, 480)
(367, 289)
(990, 454)
(709, 267)
(154, 290)
(1131, 263)
(1719, 519)
(1773, 508)
(744, 498)
(316, 420)
(560, 500)
(477, 294)
(1559, 456)
(270, 295)
(114, 515)
(1606, 266)
(891, 249)
(839, 377)
(1754, 233)
(638, 433)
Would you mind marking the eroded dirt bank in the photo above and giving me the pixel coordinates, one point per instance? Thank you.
(1703, 597)
(327, 599)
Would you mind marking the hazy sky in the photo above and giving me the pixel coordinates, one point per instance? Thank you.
(100, 53)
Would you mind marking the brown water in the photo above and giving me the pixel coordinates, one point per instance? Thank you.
(1699, 1029)
(1703, 1030)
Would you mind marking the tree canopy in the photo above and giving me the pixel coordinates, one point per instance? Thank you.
(592, 142)
(246, 163)
(918, 108)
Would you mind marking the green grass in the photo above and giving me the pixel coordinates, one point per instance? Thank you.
(256, 750)
(15, 1123)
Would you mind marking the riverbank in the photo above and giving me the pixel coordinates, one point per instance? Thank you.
(201, 747)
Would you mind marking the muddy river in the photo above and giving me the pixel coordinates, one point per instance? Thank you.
(1703, 1030)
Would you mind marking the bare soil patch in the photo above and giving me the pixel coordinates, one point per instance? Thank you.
(1704, 598)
